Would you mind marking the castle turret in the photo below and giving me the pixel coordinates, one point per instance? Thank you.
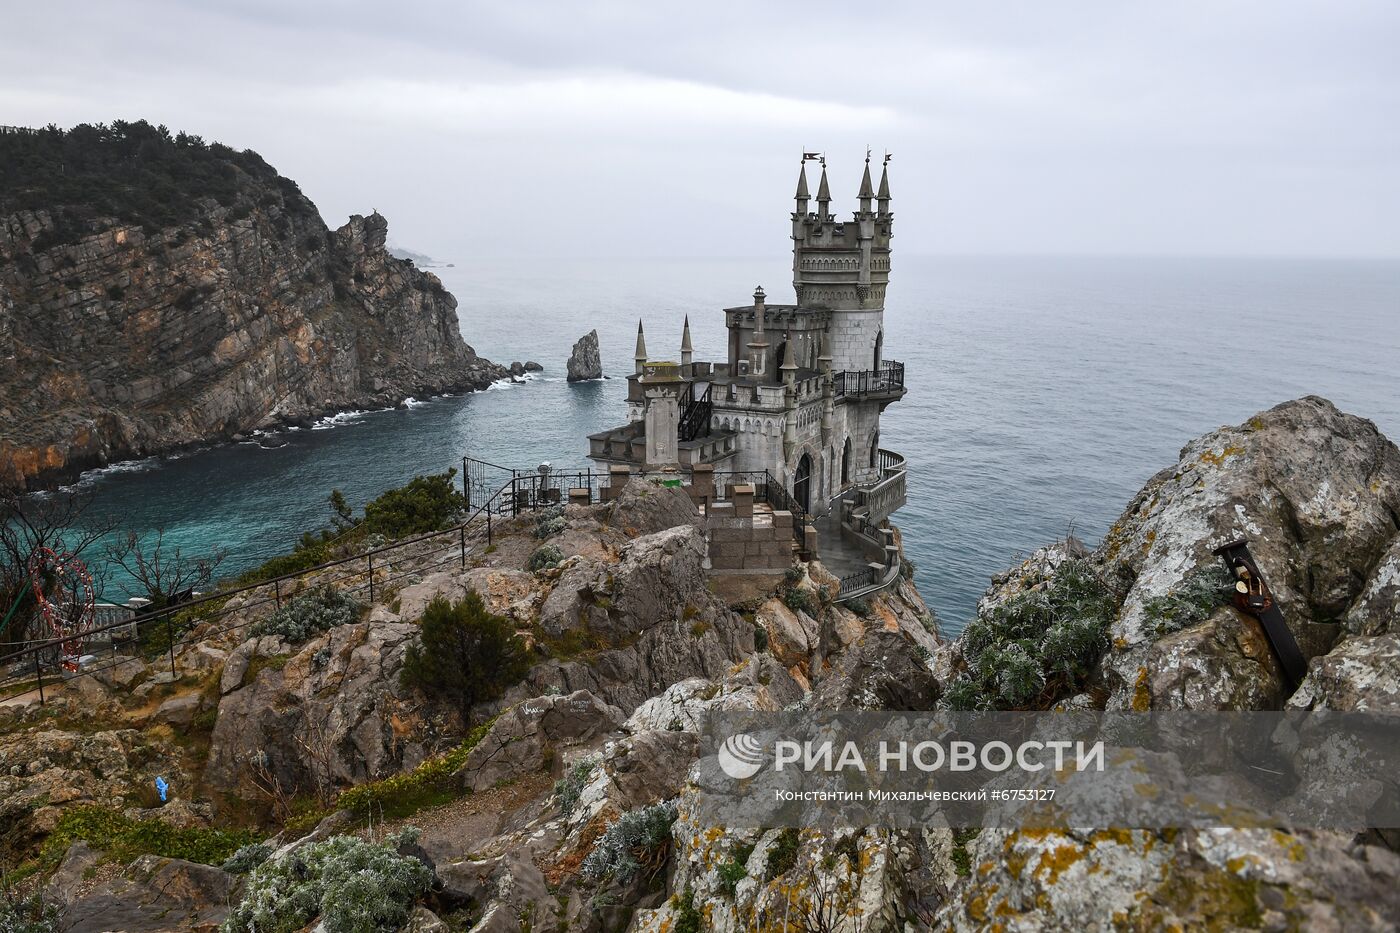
(802, 194)
(884, 196)
(758, 345)
(640, 357)
(844, 266)
(687, 351)
(867, 191)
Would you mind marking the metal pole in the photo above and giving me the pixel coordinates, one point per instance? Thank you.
(488, 526)
(370, 556)
(39, 673)
(170, 636)
(466, 489)
(463, 538)
(277, 592)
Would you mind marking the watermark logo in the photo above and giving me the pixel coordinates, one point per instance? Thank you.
(741, 756)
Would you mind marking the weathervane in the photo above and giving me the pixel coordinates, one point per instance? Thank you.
(867, 153)
(888, 155)
(814, 157)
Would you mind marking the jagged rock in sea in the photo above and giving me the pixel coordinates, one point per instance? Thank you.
(585, 362)
(212, 300)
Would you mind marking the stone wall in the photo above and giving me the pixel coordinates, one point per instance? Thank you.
(852, 336)
(742, 540)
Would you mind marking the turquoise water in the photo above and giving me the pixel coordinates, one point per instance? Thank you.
(1043, 392)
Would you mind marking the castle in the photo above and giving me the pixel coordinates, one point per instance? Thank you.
(801, 393)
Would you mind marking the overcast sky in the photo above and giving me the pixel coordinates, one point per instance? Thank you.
(608, 128)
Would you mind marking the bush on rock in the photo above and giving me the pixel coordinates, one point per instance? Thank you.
(1037, 645)
(464, 654)
(310, 614)
(354, 886)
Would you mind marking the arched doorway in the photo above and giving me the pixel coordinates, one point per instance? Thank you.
(846, 463)
(879, 348)
(875, 450)
(802, 483)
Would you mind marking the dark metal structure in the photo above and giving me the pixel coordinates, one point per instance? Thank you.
(1253, 597)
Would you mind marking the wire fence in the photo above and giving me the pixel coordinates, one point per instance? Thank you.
(373, 572)
(196, 620)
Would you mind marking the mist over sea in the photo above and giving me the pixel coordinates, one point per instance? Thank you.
(1043, 392)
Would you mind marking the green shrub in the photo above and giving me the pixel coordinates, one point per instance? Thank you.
(635, 842)
(568, 788)
(801, 600)
(1195, 598)
(688, 919)
(425, 503)
(401, 795)
(760, 638)
(550, 522)
(782, 857)
(860, 606)
(27, 915)
(309, 614)
(464, 655)
(1037, 645)
(546, 556)
(247, 858)
(303, 557)
(354, 886)
(735, 869)
(962, 858)
(125, 838)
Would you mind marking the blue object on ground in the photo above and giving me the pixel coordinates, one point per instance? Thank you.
(162, 787)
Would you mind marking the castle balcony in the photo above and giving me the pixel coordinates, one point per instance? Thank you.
(627, 446)
(886, 382)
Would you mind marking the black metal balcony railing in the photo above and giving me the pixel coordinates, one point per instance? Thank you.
(888, 379)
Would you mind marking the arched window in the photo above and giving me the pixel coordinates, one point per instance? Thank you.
(875, 450)
(802, 483)
(782, 357)
(879, 347)
(846, 463)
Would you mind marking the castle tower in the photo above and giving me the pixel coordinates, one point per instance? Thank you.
(843, 265)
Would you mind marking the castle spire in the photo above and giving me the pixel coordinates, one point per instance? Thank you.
(802, 195)
(687, 351)
(641, 355)
(884, 196)
(824, 195)
(867, 191)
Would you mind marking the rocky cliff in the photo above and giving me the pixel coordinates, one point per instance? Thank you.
(164, 292)
(575, 807)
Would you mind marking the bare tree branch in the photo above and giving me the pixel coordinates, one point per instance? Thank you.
(165, 573)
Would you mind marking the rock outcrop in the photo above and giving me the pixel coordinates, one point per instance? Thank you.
(1317, 494)
(585, 362)
(121, 339)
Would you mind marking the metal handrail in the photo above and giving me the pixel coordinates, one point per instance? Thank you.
(888, 377)
(696, 419)
(167, 614)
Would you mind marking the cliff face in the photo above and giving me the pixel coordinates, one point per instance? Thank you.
(124, 338)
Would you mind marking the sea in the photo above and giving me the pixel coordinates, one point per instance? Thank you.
(1043, 392)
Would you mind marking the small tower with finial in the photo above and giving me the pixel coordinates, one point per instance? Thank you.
(687, 351)
(640, 356)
